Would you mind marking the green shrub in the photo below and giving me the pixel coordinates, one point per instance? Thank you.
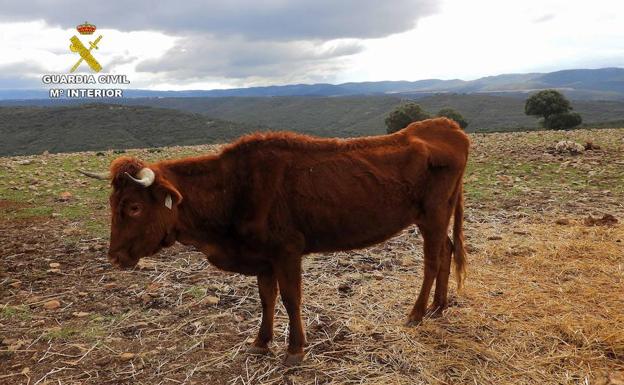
(546, 103)
(553, 108)
(563, 121)
(403, 115)
(454, 115)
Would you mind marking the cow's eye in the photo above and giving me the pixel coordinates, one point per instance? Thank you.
(134, 209)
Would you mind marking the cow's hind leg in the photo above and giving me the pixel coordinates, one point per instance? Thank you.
(434, 236)
(288, 273)
(267, 287)
(440, 301)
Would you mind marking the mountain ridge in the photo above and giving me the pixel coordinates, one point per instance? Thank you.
(580, 84)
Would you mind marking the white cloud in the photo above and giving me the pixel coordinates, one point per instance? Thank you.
(200, 56)
(251, 19)
(487, 37)
(453, 39)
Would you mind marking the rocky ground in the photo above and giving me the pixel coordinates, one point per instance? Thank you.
(543, 302)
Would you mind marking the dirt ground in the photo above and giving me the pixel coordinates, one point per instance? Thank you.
(543, 304)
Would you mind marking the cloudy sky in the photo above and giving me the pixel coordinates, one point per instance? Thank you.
(238, 43)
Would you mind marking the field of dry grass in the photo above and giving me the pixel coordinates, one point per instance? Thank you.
(544, 298)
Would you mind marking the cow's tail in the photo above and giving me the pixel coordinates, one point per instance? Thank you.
(459, 252)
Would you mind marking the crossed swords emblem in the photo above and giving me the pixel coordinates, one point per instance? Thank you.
(85, 54)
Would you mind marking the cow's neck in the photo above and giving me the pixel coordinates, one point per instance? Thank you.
(205, 184)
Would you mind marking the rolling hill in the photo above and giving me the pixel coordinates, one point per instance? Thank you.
(33, 130)
(156, 122)
(344, 116)
(364, 115)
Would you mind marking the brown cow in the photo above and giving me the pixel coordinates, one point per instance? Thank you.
(266, 200)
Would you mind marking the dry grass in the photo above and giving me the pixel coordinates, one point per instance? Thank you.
(537, 310)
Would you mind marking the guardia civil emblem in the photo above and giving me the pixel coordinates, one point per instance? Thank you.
(84, 52)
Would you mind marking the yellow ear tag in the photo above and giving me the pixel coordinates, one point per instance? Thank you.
(168, 201)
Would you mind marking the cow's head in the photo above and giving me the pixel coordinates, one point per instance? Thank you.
(144, 211)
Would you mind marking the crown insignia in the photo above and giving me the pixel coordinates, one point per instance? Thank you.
(86, 28)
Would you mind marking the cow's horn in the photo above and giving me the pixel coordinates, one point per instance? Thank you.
(96, 175)
(145, 177)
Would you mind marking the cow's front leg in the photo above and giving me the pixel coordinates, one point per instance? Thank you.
(267, 287)
(288, 273)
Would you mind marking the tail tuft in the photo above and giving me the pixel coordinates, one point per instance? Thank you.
(459, 252)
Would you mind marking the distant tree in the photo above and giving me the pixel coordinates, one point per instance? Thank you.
(562, 121)
(454, 115)
(403, 115)
(546, 103)
(554, 108)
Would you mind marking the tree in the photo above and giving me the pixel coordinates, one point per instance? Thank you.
(454, 115)
(403, 115)
(562, 121)
(554, 108)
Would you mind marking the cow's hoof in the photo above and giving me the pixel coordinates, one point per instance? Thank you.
(258, 350)
(435, 311)
(293, 359)
(413, 321)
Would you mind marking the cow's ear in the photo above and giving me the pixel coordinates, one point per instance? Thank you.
(169, 195)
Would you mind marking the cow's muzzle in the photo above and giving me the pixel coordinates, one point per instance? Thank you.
(121, 259)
